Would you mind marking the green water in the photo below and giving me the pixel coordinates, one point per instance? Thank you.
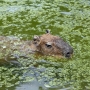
(69, 19)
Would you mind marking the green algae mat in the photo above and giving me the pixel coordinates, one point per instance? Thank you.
(69, 19)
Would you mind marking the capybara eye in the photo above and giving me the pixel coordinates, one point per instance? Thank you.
(48, 45)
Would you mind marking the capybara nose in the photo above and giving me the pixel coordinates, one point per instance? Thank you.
(68, 54)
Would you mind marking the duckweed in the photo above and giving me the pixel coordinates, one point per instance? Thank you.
(65, 18)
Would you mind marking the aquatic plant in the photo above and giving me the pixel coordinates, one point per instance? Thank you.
(66, 18)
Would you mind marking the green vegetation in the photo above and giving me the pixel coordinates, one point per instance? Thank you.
(70, 19)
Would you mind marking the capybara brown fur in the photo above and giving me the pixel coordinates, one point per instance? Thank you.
(46, 44)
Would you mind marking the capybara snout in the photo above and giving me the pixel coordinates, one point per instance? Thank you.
(64, 47)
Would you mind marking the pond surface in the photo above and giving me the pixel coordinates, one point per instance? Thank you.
(69, 19)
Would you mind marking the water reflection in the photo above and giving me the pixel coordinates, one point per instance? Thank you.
(11, 9)
(28, 86)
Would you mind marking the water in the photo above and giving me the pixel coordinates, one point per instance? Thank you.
(67, 19)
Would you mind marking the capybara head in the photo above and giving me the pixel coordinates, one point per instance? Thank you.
(48, 44)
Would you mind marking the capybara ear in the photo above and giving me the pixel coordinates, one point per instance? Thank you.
(47, 31)
(36, 38)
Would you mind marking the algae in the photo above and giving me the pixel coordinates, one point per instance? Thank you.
(65, 18)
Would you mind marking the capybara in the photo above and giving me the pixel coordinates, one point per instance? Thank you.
(46, 44)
